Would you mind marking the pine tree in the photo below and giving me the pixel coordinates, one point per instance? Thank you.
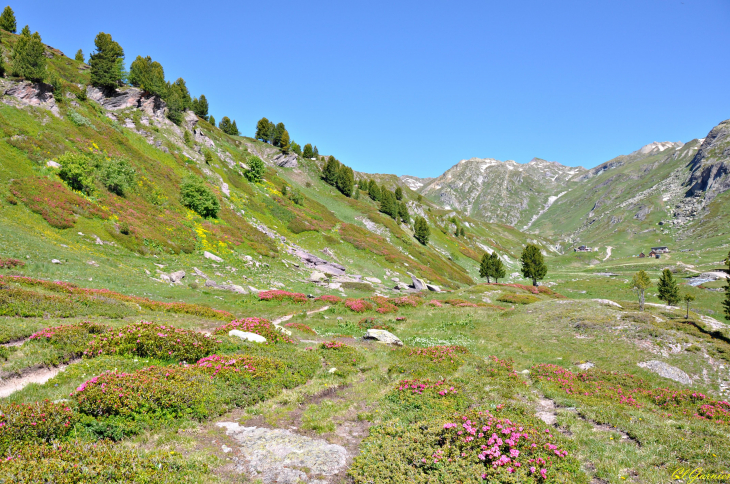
(388, 203)
(307, 151)
(234, 129)
(106, 62)
(462, 232)
(284, 142)
(148, 75)
(399, 193)
(315, 152)
(186, 138)
(256, 170)
(345, 180)
(79, 55)
(27, 56)
(485, 267)
(7, 20)
(330, 171)
(225, 124)
(639, 283)
(667, 287)
(374, 191)
(211, 120)
(533, 264)
(262, 130)
(403, 213)
(279, 131)
(2, 62)
(296, 148)
(498, 270)
(200, 108)
(422, 232)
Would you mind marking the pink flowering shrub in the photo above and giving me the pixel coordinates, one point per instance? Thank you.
(439, 354)
(301, 327)
(413, 301)
(34, 422)
(278, 295)
(329, 298)
(153, 340)
(384, 305)
(435, 303)
(418, 387)
(10, 263)
(239, 367)
(260, 326)
(358, 305)
(71, 339)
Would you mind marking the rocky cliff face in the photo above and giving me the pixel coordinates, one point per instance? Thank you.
(711, 165)
(501, 191)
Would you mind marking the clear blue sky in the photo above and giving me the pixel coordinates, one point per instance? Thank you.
(413, 87)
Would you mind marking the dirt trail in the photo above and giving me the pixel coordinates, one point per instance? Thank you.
(8, 386)
(608, 252)
(18, 342)
(278, 321)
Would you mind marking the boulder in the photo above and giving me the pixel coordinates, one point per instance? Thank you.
(317, 276)
(190, 119)
(226, 287)
(328, 252)
(418, 284)
(211, 256)
(667, 371)
(53, 164)
(224, 188)
(383, 336)
(55, 261)
(176, 277)
(586, 366)
(608, 302)
(165, 278)
(433, 288)
(256, 338)
(374, 280)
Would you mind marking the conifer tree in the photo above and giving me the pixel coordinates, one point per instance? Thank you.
(485, 267)
(225, 124)
(147, 75)
(688, 298)
(79, 55)
(331, 171)
(256, 170)
(2, 62)
(374, 191)
(262, 130)
(403, 213)
(422, 232)
(284, 142)
(307, 152)
(345, 180)
(533, 264)
(234, 129)
(211, 120)
(639, 283)
(315, 152)
(462, 232)
(7, 20)
(27, 56)
(498, 270)
(667, 287)
(388, 203)
(106, 62)
(200, 107)
(399, 193)
(296, 148)
(279, 131)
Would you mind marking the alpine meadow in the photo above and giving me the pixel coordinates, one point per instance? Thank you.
(185, 299)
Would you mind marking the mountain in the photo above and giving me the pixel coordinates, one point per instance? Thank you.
(501, 191)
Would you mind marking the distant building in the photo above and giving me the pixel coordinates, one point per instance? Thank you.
(582, 248)
(655, 253)
(642, 255)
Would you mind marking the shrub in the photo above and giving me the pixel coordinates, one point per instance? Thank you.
(255, 172)
(329, 298)
(278, 295)
(301, 327)
(343, 357)
(413, 301)
(518, 298)
(10, 263)
(372, 323)
(77, 118)
(72, 339)
(34, 422)
(153, 340)
(258, 326)
(76, 171)
(358, 305)
(117, 175)
(439, 354)
(198, 198)
(435, 303)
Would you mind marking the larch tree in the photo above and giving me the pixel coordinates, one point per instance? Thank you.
(639, 283)
(106, 62)
(79, 56)
(533, 263)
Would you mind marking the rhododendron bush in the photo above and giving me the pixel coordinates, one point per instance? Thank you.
(153, 340)
(262, 327)
(278, 295)
(301, 327)
(34, 422)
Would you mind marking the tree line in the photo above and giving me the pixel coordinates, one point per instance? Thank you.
(108, 72)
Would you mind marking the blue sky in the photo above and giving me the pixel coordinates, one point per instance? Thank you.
(413, 87)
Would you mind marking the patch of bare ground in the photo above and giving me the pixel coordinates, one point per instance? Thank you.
(11, 383)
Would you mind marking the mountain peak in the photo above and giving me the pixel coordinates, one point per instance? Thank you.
(657, 147)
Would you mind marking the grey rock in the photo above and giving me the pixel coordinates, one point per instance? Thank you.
(278, 455)
(666, 371)
(286, 161)
(33, 94)
(211, 256)
(417, 284)
(317, 276)
(374, 280)
(177, 276)
(224, 188)
(190, 119)
(433, 288)
(226, 287)
(383, 336)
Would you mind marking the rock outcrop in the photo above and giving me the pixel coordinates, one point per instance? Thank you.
(131, 97)
(286, 161)
(32, 94)
(711, 164)
(667, 371)
(314, 262)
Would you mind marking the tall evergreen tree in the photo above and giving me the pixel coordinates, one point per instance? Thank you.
(256, 170)
(211, 120)
(234, 129)
(345, 180)
(106, 62)
(331, 171)
(639, 283)
(284, 142)
(2, 62)
(315, 151)
(422, 232)
(399, 193)
(667, 287)
(263, 130)
(498, 270)
(296, 148)
(485, 267)
(374, 191)
(533, 264)
(79, 56)
(200, 108)
(388, 203)
(27, 56)
(279, 131)
(307, 152)
(403, 213)
(148, 75)
(7, 20)
(225, 124)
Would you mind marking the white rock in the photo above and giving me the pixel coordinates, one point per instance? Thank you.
(374, 280)
(608, 302)
(383, 336)
(317, 276)
(332, 370)
(256, 338)
(53, 164)
(586, 366)
(55, 261)
(212, 257)
(667, 371)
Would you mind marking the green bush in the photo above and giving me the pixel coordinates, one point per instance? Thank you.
(199, 198)
(518, 298)
(117, 175)
(34, 422)
(76, 170)
(255, 172)
(342, 357)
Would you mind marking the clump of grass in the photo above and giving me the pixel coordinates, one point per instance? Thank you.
(518, 298)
